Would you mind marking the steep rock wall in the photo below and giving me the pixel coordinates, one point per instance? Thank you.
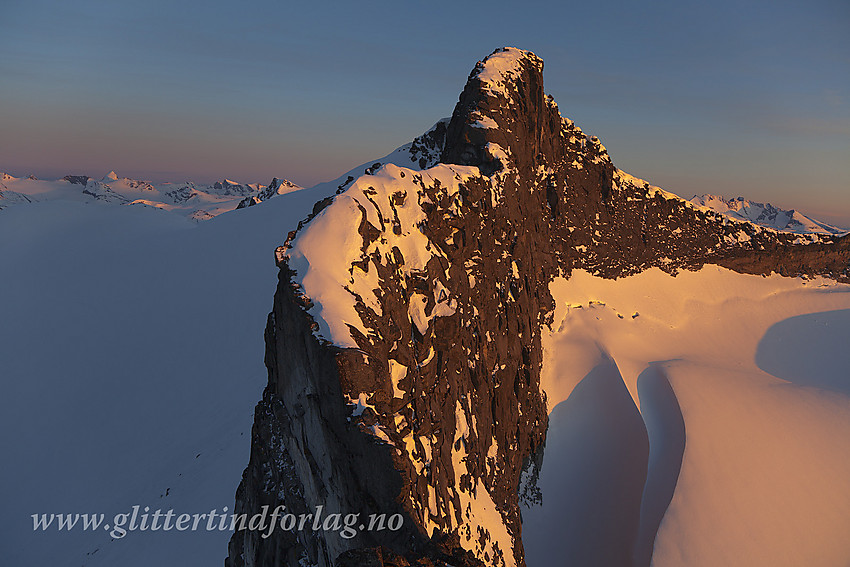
(404, 347)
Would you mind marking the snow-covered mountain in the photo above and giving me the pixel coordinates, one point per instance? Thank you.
(529, 355)
(765, 214)
(195, 201)
(431, 314)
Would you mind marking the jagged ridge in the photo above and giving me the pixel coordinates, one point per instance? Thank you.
(765, 214)
(406, 327)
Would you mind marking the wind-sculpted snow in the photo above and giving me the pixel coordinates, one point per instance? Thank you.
(593, 475)
(809, 350)
(746, 469)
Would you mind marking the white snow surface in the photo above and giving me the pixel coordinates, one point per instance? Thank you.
(323, 253)
(132, 358)
(502, 67)
(731, 390)
(765, 214)
(195, 201)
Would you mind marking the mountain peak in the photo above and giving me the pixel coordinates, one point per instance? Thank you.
(765, 214)
(504, 119)
(406, 345)
(504, 66)
(111, 176)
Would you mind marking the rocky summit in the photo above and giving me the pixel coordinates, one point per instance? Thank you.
(404, 346)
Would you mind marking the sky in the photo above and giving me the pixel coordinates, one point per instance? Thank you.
(729, 97)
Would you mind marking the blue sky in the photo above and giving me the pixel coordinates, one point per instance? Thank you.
(735, 98)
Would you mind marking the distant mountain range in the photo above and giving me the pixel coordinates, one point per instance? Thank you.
(765, 214)
(195, 201)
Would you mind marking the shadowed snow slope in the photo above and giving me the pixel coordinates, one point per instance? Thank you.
(809, 350)
(131, 351)
(596, 459)
(132, 357)
(751, 469)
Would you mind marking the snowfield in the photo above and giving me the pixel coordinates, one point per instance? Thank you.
(765, 214)
(132, 358)
(131, 351)
(742, 385)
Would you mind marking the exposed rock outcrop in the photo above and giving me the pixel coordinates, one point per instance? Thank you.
(404, 348)
(276, 187)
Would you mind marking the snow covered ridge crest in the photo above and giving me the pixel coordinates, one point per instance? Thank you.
(194, 201)
(373, 235)
(379, 217)
(405, 346)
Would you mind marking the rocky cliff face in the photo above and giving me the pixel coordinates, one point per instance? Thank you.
(404, 348)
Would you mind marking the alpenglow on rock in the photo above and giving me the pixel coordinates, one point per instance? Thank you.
(404, 347)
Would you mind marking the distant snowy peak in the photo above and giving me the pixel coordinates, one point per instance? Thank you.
(276, 187)
(765, 214)
(193, 201)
